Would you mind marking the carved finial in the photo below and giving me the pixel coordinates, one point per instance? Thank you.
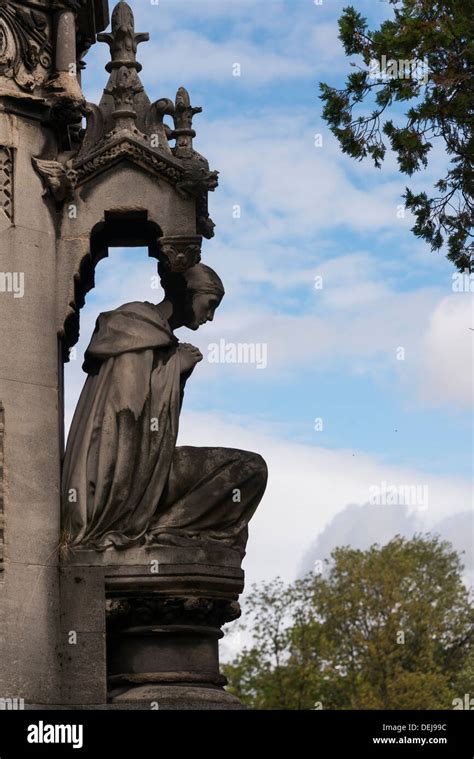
(183, 123)
(122, 40)
(124, 82)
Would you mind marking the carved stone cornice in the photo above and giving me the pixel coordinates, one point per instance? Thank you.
(179, 253)
(136, 611)
(127, 147)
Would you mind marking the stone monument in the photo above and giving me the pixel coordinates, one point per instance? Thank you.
(121, 552)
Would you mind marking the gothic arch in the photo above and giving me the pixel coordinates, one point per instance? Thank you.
(130, 229)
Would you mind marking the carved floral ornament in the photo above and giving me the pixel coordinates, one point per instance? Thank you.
(180, 252)
(25, 47)
(156, 609)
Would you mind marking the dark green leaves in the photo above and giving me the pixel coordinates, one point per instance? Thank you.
(427, 54)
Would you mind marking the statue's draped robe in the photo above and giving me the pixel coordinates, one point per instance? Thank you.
(124, 479)
(124, 430)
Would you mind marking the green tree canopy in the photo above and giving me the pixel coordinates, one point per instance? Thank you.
(440, 34)
(387, 628)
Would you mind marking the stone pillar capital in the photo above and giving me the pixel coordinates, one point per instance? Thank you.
(180, 252)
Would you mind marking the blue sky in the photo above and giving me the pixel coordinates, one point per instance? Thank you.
(306, 212)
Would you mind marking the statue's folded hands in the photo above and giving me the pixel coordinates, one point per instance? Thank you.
(189, 356)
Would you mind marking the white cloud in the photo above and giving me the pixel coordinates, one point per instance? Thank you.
(447, 369)
(267, 48)
(287, 187)
(212, 61)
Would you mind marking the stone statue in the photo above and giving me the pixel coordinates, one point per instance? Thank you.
(125, 482)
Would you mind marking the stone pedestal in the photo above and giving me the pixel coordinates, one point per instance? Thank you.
(140, 628)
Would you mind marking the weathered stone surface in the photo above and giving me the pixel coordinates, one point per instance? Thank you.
(83, 599)
(28, 339)
(29, 631)
(2, 486)
(83, 674)
(31, 474)
(29, 590)
(82, 636)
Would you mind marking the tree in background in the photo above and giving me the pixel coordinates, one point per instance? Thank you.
(386, 628)
(439, 33)
(465, 680)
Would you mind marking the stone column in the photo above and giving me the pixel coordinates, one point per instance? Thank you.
(29, 393)
(65, 79)
(163, 645)
(65, 40)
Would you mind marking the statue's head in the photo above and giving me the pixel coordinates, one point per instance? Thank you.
(195, 293)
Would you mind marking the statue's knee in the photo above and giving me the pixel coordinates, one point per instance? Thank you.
(259, 466)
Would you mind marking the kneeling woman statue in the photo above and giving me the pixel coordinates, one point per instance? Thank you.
(124, 480)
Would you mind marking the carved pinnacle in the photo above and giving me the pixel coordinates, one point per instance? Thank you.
(122, 40)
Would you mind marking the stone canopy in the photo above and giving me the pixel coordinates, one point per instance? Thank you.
(125, 134)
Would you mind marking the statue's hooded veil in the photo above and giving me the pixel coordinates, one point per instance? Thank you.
(203, 279)
(198, 279)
